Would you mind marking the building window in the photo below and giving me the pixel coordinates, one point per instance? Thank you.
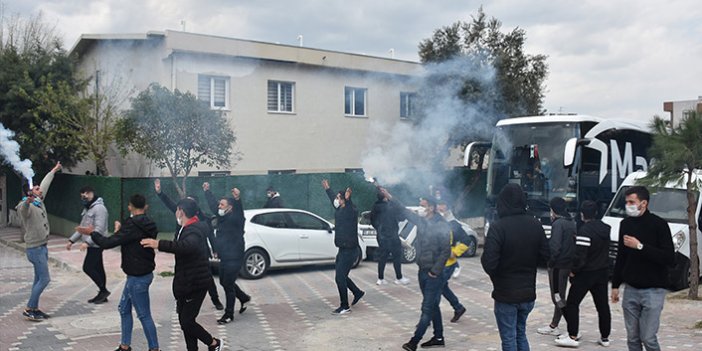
(407, 104)
(281, 96)
(281, 171)
(215, 90)
(213, 173)
(355, 101)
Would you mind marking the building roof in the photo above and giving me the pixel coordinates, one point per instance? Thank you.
(193, 43)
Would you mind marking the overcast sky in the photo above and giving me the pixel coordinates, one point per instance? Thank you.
(615, 59)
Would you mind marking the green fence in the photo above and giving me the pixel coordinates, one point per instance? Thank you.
(303, 191)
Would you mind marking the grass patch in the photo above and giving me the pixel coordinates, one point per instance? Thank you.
(698, 325)
(166, 274)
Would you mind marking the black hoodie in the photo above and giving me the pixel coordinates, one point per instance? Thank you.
(136, 260)
(345, 224)
(514, 247)
(592, 247)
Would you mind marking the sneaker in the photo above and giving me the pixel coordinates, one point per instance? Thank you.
(26, 313)
(603, 342)
(457, 314)
(357, 298)
(409, 346)
(402, 281)
(341, 310)
(381, 282)
(225, 319)
(456, 272)
(433, 342)
(218, 305)
(33, 316)
(101, 297)
(94, 298)
(567, 341)
(218, 347)
(243, 304)
(119, 348)
(42, 314)
(547, 330)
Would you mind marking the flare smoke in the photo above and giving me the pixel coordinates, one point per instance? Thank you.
(9, 150)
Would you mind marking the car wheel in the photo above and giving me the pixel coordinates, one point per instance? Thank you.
(358, 259)
(472, 247)
(409, 254)
(256, 263)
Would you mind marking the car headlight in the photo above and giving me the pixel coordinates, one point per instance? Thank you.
(678, 240)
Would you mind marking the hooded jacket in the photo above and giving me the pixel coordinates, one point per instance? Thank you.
(136, 260)
(385, 219)
(94, 215)
(562, 243)
(229, 241)
(34, 219)
(433, 241)
(592, 247)
(274, 201)
(192, 265)
(514, 246)
(345, 224)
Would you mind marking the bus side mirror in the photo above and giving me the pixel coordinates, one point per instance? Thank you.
(571, 147)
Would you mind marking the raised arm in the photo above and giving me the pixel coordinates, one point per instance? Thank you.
(210, 198)
(164, 198)
(48, 178)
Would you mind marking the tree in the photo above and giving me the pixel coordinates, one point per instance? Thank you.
(176, 131)
(677, 152)
(37, 86)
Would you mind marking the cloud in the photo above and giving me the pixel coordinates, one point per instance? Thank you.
(608, 58)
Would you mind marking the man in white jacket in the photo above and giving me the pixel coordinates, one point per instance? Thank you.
(94, 215)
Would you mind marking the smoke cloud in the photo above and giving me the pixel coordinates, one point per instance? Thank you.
(9, 150)
(456, 101)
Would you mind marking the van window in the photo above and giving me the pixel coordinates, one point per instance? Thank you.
(669, 204)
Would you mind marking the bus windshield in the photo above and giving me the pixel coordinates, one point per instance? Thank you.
(668, 203)
(531, 155)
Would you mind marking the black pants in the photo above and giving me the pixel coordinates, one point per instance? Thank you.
(558, 282)
(228, 272)
(596, 283)
(385, 249)
(212, 291)
(188, 308)
(344, 261)
(94, 268)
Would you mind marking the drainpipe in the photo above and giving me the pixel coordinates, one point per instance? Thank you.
(173, 71)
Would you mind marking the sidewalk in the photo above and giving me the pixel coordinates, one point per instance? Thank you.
(73, 260)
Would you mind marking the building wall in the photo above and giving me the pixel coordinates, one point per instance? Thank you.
(317, 137)
(678, 109)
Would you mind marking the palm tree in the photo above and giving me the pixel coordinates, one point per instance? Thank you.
(677, 152)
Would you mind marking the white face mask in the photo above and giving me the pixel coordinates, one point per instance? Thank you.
(336, 203)
(632, 211)
(179, 221)
(221, 212)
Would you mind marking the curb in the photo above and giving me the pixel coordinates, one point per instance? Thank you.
(19, 247)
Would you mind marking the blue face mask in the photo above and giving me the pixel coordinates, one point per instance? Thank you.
(36, 201)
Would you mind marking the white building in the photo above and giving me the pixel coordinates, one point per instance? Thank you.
(679, 109)
(291, 108)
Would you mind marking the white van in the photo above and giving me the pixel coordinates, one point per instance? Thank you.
(670, 203)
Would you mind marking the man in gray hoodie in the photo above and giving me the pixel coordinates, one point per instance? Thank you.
(93, 218)
(35, 224)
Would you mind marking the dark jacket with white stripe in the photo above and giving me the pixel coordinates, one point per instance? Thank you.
(592, 247)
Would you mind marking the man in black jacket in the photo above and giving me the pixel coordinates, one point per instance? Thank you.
(562, 245)
(645, 251)
(274, 199)
(229, 247)
(590, 272)
(433, 250)
(514, 246)
(138, 264)
(192, 272)
(212, 290)
(384, 218)
(346, 239)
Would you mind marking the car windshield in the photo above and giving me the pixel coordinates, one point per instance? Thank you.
(669, 204)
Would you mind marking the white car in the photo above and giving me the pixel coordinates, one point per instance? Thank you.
(670, 203)
(285, 237)
(408, 233)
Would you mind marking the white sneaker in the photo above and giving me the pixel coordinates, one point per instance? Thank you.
(547, 330)
(566, 341)
(456, 272)
(381, 282)
(402, 281)
(603, 342)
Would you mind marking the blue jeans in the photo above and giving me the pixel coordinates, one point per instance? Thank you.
(39, 257)
(642, 317)
(447, 292)
(511, 321)
(431, 313)
(136, 293)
